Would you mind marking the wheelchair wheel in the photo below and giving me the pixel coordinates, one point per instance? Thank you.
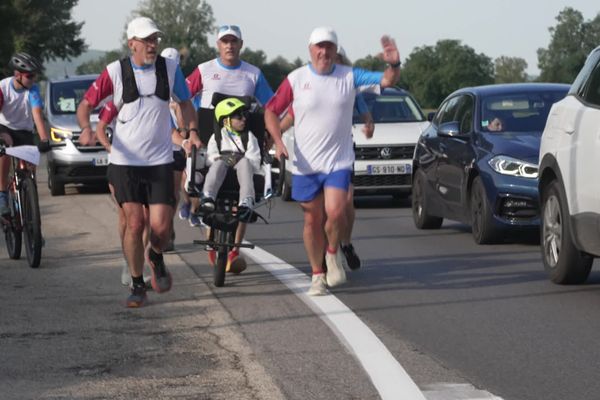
(221, 263)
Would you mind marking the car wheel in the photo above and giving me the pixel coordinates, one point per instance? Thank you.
(286, 192)
(421, 216)
(57, 188)
(482, 222)
(564, 263)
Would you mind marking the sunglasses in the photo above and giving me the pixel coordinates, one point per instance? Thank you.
(150, 40)
(235, 28)
(29, 75)
(239, 115)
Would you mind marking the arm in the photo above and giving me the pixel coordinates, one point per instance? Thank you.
(183, 97)
(287, 121)
(99, 90)
(274, 108)
(212, 151)
(391, 56)
(101, 135)
(272, 125)
(253, 152)
(84, 110)
(105, 118)
(38, 119)
(365, 115)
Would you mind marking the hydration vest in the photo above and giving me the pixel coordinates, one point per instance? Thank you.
(130, 90)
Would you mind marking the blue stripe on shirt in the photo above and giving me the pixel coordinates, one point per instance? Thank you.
(363, 77)
(180, 88)
(263, 91)
(35, 100)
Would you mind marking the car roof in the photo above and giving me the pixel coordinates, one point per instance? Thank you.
(505, 88)
(75, 78)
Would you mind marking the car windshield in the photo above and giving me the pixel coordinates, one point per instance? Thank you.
(522, 112)
(65, 96)
(387, 109)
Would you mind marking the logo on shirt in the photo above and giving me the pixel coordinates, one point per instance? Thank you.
(306, 86)
(216, 77)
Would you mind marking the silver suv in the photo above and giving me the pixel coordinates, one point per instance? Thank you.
(71, 163)
(568, 179)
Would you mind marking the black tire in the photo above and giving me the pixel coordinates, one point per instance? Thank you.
(482, 220)
(12, 231)
(57, 188)
(221, 263)
(421, 215)
(563, 262)
(32, 223)
(286, 192)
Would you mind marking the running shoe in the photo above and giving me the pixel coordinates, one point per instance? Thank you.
(195, 220)
(235, 263)
(137, 297)
(352, 260)
(184, 210)
(161, 277)
(335, 270)
(318, 286)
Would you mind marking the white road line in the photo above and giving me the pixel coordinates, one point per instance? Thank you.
(387, 375)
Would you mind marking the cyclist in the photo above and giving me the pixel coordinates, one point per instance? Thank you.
(322, 94)
(141, 163)
(229, 75)
(20, 109)
(233, 152)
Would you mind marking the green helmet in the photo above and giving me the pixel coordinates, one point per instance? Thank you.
(227, 107)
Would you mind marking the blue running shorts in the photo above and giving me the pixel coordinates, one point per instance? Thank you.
(307, 187)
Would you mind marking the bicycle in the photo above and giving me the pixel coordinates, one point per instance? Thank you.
(24, 219)
(224, 220)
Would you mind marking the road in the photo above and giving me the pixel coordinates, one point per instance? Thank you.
(458, 317)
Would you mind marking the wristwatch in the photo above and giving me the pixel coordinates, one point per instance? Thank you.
(396, 65)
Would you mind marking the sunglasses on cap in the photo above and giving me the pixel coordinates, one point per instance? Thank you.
(235, 28)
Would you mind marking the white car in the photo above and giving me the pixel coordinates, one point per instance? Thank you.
(568, 179)
(383, 163)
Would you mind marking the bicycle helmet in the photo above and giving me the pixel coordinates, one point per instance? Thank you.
(227, 107)
(24, 62)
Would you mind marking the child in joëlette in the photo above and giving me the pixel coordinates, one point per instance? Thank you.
(231, 116)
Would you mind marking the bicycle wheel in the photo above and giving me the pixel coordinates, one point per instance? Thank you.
(221, 264)
(32, 224)
(12, 228)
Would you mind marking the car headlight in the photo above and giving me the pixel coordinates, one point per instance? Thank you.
(59, 135)
(511, 166)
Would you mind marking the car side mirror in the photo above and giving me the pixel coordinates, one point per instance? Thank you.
(452, 130)
(430, 116)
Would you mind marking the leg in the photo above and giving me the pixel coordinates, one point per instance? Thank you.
(313, 233)
(133, 246)
(214, 178)
(4, 168)
(350, 256)
(336, 215)
(245, 175)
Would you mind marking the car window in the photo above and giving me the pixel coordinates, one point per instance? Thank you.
(518, 112)
(592, 87)
(578, 86)
(389, 109)
(464, 114)
(66, 96)
(449, 112)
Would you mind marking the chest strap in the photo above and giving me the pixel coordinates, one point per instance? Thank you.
(130, 90)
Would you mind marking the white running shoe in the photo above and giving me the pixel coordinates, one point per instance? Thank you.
(318, 286)
(335, 269)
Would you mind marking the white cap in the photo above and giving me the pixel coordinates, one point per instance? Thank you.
(171, 53)
(225, 30)
(323, 34)
(141, 28)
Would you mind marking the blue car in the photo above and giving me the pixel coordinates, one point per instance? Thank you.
(478, 161)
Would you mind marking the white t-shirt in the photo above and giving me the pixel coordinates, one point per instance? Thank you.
(16, 105)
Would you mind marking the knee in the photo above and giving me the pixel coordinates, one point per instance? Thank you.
(135, 226)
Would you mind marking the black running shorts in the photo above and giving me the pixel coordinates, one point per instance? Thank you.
(179, 160)
(142, 184)
(19, 137)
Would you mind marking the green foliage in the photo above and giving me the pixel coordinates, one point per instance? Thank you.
(433, 72)
(510, 69)
(96, 66)
(275, 71)
(42, 28)
(185, 24)
(370, 63)
(571, 41)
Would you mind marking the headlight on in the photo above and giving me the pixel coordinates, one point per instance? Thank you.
(511, 166)
(59, 135)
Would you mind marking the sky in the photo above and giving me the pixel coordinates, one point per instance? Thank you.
(514, 28)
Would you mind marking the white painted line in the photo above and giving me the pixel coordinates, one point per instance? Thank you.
(387, 375)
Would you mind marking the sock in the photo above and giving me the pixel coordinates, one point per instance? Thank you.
(138, 280)
(154, 256)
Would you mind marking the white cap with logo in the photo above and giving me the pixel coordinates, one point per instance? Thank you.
(225, 30)
(323, 34)
(171, 53)
(141, 28)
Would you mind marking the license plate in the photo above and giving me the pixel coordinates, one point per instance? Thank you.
(389, 169)
(100, 161)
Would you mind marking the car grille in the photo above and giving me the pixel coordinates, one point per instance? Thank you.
(381, 180)
(85, 149)
(518, 209)
(385, 152)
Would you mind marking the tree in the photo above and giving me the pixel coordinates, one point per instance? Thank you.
(510, 69)
(42, 28)
(370, 63)
(571, 41)
(96, 66)
(257, 58)
(433, 72)
(185, 25)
